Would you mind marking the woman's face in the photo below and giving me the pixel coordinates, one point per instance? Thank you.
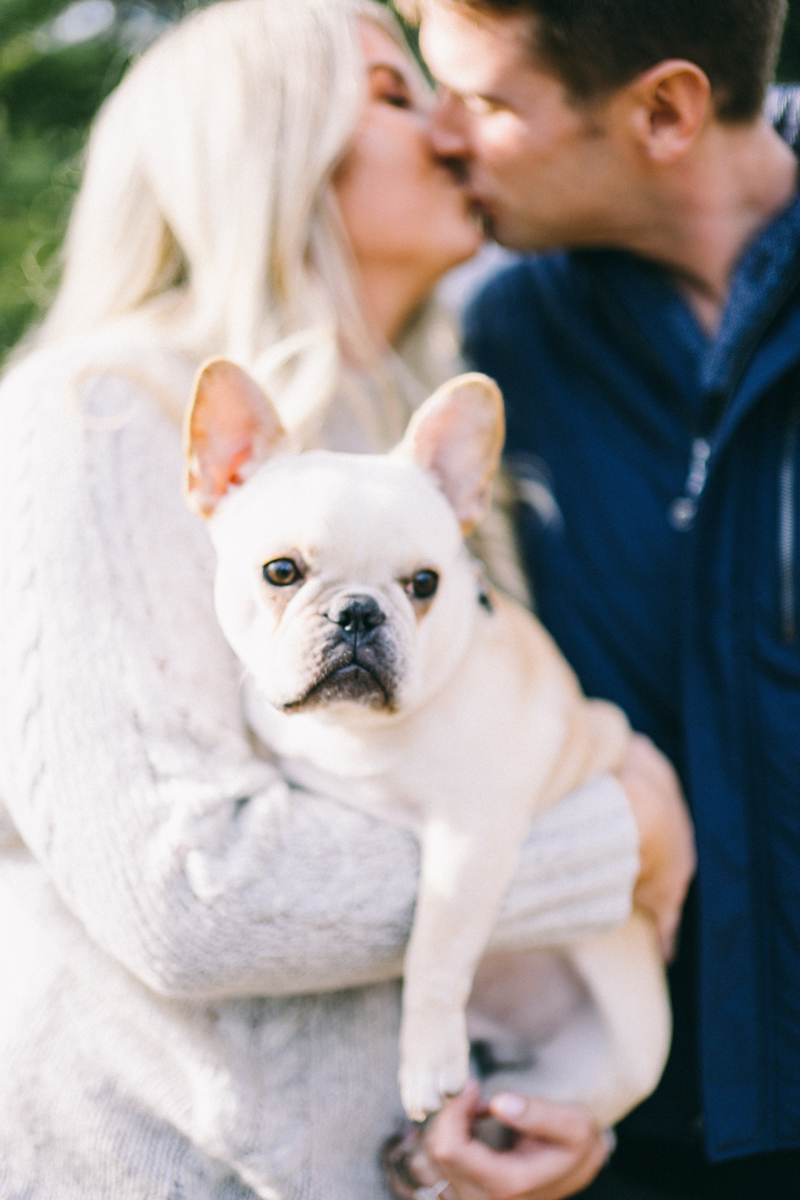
(404, 211)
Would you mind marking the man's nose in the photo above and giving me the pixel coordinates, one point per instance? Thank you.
(449, 132)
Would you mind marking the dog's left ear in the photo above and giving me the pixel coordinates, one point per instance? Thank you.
(230, 428)
(458, 434)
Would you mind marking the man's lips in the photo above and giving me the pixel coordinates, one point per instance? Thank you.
(457, 168)
(478, 205)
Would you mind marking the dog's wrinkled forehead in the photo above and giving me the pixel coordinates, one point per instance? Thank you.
(353, 514)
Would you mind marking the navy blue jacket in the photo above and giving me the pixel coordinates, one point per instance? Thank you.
(661, 474)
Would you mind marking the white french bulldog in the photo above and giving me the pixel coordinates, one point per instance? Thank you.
(388, 675)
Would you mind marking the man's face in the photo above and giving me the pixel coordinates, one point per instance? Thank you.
(546, 172)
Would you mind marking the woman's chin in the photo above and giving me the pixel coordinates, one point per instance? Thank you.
(466, 243)
(467, 252)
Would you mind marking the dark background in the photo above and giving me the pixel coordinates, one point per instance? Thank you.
(57, 63)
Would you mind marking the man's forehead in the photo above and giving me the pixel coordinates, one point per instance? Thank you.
(470, 50)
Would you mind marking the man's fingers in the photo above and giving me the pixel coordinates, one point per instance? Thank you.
(666, 914)
(514, 1172)
(451, 1129)
(564, 1124)
(667, 926)
(667, 853)
(585, 1172)
(558, 1144)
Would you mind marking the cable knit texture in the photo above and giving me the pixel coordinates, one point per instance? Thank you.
(200, 992)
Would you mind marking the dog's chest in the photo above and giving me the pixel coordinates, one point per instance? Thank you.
(489, 737)
(362, 770)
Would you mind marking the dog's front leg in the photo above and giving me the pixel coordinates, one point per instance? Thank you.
(465, 874)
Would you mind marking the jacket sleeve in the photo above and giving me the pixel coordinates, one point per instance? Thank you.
(125, 765)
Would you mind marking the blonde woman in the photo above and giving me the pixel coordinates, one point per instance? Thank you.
(199, 982)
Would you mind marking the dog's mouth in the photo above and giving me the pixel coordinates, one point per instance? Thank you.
(355, 680)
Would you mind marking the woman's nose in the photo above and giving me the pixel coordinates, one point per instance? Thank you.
(449, 132)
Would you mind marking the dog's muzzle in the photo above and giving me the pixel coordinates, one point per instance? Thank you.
(358, 617)
(358, 664)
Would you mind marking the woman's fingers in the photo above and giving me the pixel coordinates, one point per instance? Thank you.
(668, 858)
(558, 1152)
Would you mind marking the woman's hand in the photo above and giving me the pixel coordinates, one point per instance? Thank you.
(667, 854)
(558, 1152)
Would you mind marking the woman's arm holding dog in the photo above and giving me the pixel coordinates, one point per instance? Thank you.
(125, 764)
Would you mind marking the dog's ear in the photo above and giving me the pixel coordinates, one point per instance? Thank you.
(230, 428)
(458, 434)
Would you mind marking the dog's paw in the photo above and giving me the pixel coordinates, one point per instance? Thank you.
(424, 1092)
(434, 1061)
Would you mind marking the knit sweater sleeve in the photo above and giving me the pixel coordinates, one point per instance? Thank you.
(125, 765)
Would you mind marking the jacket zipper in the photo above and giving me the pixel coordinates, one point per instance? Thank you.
(683, 511)
(787, 507)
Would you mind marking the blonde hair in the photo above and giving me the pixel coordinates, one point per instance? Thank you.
(206, 212)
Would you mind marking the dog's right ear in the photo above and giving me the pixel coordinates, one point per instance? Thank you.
(230, 428)
(457, 435)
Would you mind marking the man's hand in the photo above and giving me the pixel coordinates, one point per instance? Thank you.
(667, 854)
(558, 1152)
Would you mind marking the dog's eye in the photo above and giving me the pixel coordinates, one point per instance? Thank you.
(281, 572)
(423, 585)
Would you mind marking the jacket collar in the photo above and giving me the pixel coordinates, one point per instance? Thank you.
(721, 376)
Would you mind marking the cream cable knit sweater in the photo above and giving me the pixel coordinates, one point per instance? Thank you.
(198, 968)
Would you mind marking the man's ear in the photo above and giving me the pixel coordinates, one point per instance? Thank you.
(671, 103)
(458, 435)
(230, 428)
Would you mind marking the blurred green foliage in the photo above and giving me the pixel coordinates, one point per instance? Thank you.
(51, 83)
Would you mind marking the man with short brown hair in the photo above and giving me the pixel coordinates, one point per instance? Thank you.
(649, 353)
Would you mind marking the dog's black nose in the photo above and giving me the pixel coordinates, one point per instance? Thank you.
(358, 615)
